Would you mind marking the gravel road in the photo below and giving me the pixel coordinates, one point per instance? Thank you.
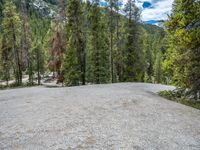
(123, 116)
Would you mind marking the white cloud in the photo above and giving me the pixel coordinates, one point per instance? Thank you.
(158, 11)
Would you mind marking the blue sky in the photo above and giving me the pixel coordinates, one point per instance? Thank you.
(153, 11)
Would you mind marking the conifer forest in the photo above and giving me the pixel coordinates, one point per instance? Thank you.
(82, 42)
(99, 74)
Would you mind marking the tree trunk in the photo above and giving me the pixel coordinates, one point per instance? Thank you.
(17, 58)
(111, 43)
(38, 67)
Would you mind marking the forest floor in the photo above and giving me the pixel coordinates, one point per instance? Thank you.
(49, 83)
(113, 116)
(24, 80)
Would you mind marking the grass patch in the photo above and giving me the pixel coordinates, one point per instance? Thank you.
(53, 86)
(177, 97)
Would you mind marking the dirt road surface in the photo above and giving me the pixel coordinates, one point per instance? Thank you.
(121, 116)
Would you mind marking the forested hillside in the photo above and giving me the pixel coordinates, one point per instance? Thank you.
(84, 43)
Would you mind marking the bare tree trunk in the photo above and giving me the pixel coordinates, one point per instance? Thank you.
(111, 57)
(17, 58)
(111, 42)
(38, 67)
(7, 76)
(83, 65)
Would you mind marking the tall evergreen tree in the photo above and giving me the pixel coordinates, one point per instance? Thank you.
(133, 67)
(98, 63)
(38, 56)
(5, 59)
(112, 18)
(12, 30)
(26, 41)
(119, 45)
(158, 68)
(148, 51)
(183, 32)
(71, 66)
(75, 34)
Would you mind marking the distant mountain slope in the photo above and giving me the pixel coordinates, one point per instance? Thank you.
(152, 29)
(43, 7)
(49, 8)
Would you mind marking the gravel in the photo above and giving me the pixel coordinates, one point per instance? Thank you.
(121, 116)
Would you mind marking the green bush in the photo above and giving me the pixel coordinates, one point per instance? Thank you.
(179, 96)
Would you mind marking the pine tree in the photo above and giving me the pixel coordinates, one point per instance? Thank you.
(183, 32)
(133, 65)
(38, 56)
(119, 49)
(112, 8)
(12, 30)
(71, 67)
(57, 49)
(26, 41)
(57, 42)
(147, 45)
(118, 46)
(76, 35)
(158, 68)
(158, 48)
(38, 53)
(98, 60)
(5, 59)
